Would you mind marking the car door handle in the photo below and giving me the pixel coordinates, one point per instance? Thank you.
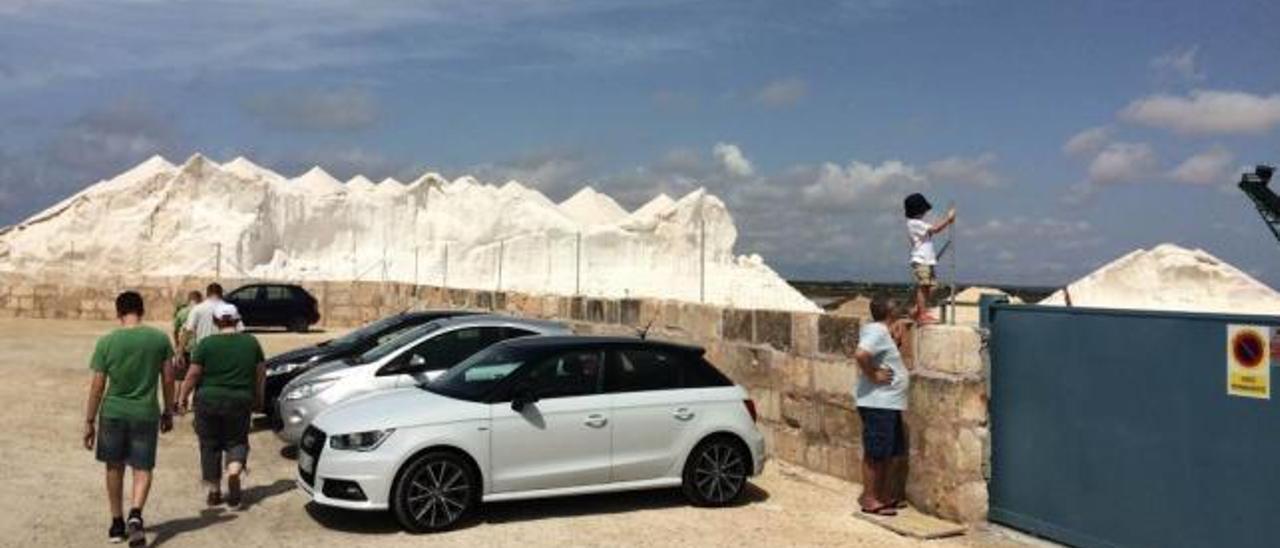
(595, 421)
(682, 414)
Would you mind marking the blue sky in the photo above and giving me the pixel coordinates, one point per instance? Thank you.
(1069, 132)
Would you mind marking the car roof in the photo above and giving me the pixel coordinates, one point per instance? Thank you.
(436, 314)
(569, 342)
(491, 319)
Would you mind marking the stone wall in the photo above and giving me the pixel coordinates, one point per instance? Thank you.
(797, 366)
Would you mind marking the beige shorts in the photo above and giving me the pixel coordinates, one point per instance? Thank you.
(923, 274)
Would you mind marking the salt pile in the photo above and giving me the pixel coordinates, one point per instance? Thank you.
(162, 219)
(1169, 277)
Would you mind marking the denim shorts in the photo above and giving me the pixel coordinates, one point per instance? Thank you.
(883, 434)
(126, 441)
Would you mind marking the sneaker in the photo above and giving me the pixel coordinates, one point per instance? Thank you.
(137, 537)
(116, 534)
(214, 498)
(233, 493)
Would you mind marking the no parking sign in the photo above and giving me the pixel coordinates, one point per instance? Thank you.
(1249, 357)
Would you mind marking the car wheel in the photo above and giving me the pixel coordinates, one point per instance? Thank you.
(299, 325)
(715, 473)
(435, 491)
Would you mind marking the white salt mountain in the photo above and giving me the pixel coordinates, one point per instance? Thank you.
(1169, 277)
(161, 219)
(591, 208)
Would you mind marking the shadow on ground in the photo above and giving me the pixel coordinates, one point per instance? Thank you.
(525, 510)
(209, 517)
(259, 493)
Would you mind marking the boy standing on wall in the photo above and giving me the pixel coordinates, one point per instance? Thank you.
(923, 257)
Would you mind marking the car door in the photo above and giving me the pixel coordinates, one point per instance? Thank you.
(246, 300)
(562, 439)
(651, 413)
(276, 305)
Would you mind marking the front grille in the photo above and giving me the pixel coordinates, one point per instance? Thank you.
(312, 444)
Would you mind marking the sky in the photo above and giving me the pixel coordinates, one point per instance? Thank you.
(1067, 132)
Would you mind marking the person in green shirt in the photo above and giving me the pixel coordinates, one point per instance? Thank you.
(128, 364)
(226, 374)
(183, 347)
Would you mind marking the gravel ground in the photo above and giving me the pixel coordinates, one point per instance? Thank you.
(55, 495)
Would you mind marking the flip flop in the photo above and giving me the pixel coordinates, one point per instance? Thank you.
(885, 510)
(897, 504)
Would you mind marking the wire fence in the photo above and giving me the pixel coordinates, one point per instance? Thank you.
(595, 264)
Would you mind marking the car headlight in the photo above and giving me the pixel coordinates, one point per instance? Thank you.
(307, 390)
(360, 441)
(290, 367)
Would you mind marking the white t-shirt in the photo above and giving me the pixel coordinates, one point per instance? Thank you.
(200, 320)
(875, 339)
(921, 242)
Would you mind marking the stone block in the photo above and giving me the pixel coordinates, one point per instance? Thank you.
(338, 295)
(483, 300)
(967, 503)
(748, 366)
(773, 328)
(804, 333)
(815, 457)
(789, 445)
(701, 322)
(738, 325)
(834, 380)
(949, 349)
(578, 309)
(500, 301)
(460, 298)
(837, 335)
(768, 404)
(798, 412)
(844, 462)
(841, 424)
(629, 312)
(23, 290)
(595, 311)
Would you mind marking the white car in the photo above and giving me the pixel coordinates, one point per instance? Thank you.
(537, 417)
(413, 357)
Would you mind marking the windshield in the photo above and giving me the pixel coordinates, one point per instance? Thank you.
(367, 331)
(472, 379)
(399, 340)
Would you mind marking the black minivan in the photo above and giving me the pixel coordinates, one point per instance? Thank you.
(275, 305)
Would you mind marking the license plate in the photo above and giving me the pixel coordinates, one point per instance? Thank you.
(307, 463)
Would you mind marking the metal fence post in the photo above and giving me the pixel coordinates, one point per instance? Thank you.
(444, 283)
(217, 261)
(577, 267)
(501, 250)
(702, 264)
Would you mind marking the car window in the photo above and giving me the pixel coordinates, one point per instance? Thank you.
(403, 338)
(576, 373)
(474, 378)
(278, 293)
(368, 330)
(243, 294)
(640, 369)
(699, 373)
(448, 349)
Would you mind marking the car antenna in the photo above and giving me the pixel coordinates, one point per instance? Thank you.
(644, 333)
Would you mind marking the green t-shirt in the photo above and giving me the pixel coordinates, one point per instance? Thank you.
(229, 363)
(179, 318)
(132, 358)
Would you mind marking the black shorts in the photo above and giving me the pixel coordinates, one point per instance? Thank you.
(883, 434)
(131, 442)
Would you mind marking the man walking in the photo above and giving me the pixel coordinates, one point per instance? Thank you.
(226, 372)
(179, 318)
(881, 397)
(199, 323)
(127, 365)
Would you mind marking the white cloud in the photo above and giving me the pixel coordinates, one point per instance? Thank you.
(1179, 63)
(1205, 168)
(732, 160)
(1088, 141)
(976, 170)
(1207, 111)
(1122, 163)
(782, 93)
(843, 186)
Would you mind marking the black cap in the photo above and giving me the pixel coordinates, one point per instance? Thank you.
(915, 205)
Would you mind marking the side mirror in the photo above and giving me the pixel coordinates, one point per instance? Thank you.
(417, 362)
(522, 399)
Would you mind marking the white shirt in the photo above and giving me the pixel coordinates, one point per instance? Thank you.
(200, 320)
(921, 242)
(875, 339)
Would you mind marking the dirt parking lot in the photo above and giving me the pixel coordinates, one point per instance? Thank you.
(55, 497)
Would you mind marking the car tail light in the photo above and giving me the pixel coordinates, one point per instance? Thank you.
(751, 409)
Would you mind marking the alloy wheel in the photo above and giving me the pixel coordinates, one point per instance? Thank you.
(438, 493)
(720, 473)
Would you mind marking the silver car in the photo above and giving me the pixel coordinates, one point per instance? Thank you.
(413, 357)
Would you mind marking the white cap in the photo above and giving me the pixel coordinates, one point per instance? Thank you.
(226, 311)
